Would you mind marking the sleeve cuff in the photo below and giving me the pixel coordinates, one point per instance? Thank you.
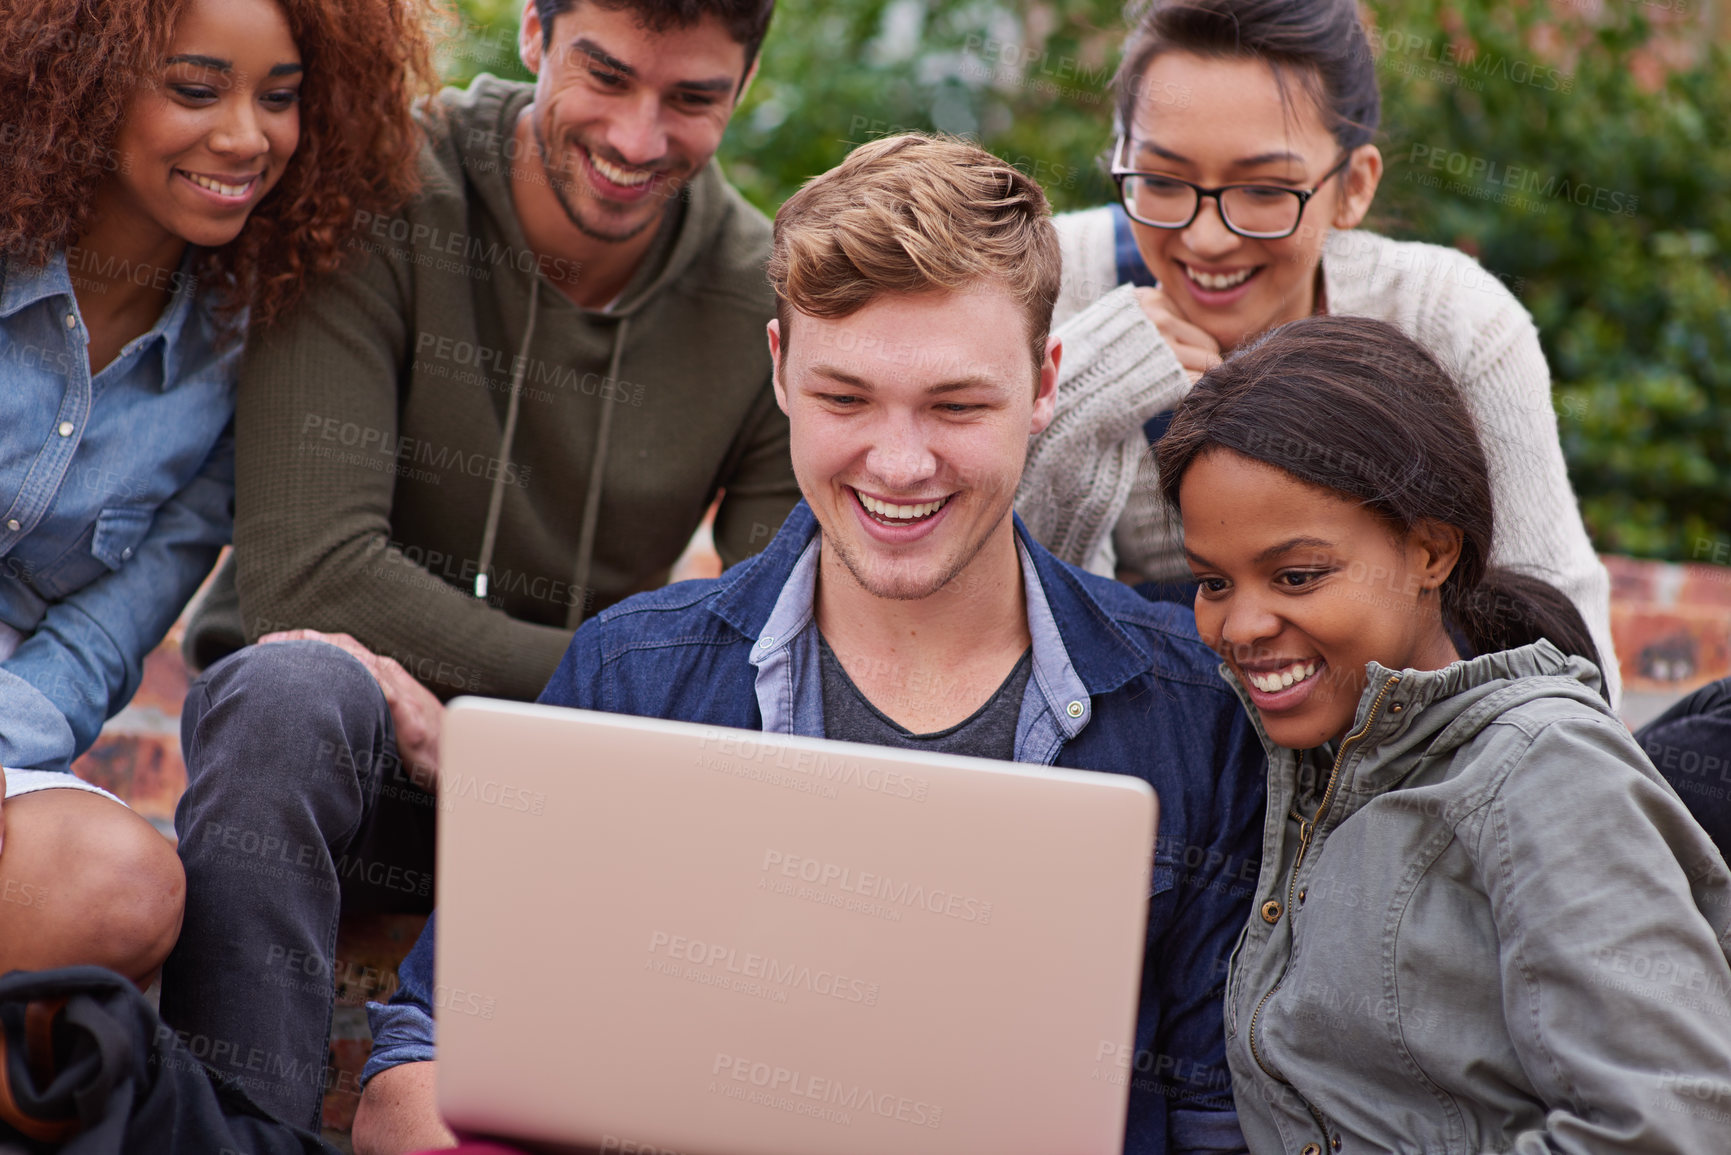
(402, 1033)
(34, 734)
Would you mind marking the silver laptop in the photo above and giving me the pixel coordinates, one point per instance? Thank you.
(661, 937)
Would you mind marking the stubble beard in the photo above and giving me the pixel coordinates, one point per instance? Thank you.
(862, 571)
(561, 193)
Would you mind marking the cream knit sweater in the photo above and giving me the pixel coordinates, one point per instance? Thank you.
(1088, 491)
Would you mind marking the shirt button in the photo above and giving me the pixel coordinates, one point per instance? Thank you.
(125, 553)
(13, 524)
(1271, 911)
(1074, 709)
(66, 428)
(1335, 1142)
(765, 642)
(71, 321)
(1301, 895)
(1311, 1149)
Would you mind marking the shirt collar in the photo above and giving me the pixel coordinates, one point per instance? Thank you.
(764, 599)
(796, 608)
(1054, 676)
(25, 286)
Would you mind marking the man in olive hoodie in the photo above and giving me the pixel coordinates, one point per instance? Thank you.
(510, 412)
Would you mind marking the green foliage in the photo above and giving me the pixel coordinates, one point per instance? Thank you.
(1616, 230)
(1547, 139)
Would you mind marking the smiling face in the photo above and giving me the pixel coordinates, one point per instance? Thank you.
(1234, 129)
(202, 144)
(1301, 586)
(624, 116)
(910, 423)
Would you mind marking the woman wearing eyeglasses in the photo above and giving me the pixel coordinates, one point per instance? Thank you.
(1244, 165)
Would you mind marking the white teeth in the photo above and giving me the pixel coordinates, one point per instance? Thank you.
(629, 178)
(900, 512)
(1280, 679)
(216, 186)
(1218, 282)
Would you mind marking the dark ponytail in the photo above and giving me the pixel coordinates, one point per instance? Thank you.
(1320, 44)
(1356, 406)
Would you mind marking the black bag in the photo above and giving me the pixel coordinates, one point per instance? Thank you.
(119, 1077)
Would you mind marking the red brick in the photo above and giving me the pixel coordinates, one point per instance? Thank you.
(164, 686)
(1632, 580)
(1706, 585)
(144, 770)
(1672, 650)
(370, 947)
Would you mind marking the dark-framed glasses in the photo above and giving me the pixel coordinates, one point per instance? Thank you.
(1262, 212)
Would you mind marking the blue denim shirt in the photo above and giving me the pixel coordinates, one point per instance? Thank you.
(116, 494)
(741, 651)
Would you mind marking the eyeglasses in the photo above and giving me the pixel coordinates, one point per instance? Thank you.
(1262, 212)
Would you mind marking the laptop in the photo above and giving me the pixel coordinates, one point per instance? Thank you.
(658, 937)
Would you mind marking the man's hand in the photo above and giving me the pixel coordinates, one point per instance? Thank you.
(399, 1111)
(1196, 350)
(416, 714)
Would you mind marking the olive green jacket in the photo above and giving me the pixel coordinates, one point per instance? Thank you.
(374, 457)
(1503, 932)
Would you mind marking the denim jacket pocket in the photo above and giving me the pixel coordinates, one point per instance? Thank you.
(1163, 877)
(118, 534)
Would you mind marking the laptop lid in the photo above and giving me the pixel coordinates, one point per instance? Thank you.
(658, 936)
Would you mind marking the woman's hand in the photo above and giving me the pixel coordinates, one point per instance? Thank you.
(1196, 350)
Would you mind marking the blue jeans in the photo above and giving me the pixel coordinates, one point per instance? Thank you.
(296, 808)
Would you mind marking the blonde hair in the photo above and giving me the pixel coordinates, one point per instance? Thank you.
(909, 214)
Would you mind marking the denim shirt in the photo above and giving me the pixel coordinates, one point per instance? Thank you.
(789, 687)
(116, 494)
(740, 651)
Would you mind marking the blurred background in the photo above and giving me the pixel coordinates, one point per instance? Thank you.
(1611, 117)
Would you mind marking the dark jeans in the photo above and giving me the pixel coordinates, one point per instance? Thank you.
(1691, 745)
(296, 808)
(125, 1076)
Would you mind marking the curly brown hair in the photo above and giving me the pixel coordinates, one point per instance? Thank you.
(69, 70)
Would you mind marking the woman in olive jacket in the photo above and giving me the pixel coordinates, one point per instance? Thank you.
(1484, 921)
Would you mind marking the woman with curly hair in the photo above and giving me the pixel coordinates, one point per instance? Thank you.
(170, 172)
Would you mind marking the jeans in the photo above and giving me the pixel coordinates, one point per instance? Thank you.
(296, 808)
(1691, 745)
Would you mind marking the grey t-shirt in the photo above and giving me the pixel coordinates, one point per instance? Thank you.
(989, 732)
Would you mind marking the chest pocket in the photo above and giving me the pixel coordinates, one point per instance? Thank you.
(118, 535)
(113, 539)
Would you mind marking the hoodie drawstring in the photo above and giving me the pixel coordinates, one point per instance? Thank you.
(592, 500)
(497, 499)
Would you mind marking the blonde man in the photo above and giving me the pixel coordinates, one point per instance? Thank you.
(903, 603)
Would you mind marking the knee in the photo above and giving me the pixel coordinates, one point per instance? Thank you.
(290, 705)
(283, 675)
(123, 884)
(148, 886)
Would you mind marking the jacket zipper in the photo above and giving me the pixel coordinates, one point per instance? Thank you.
(1306, 828)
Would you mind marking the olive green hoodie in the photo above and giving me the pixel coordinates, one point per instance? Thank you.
(440, 412)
